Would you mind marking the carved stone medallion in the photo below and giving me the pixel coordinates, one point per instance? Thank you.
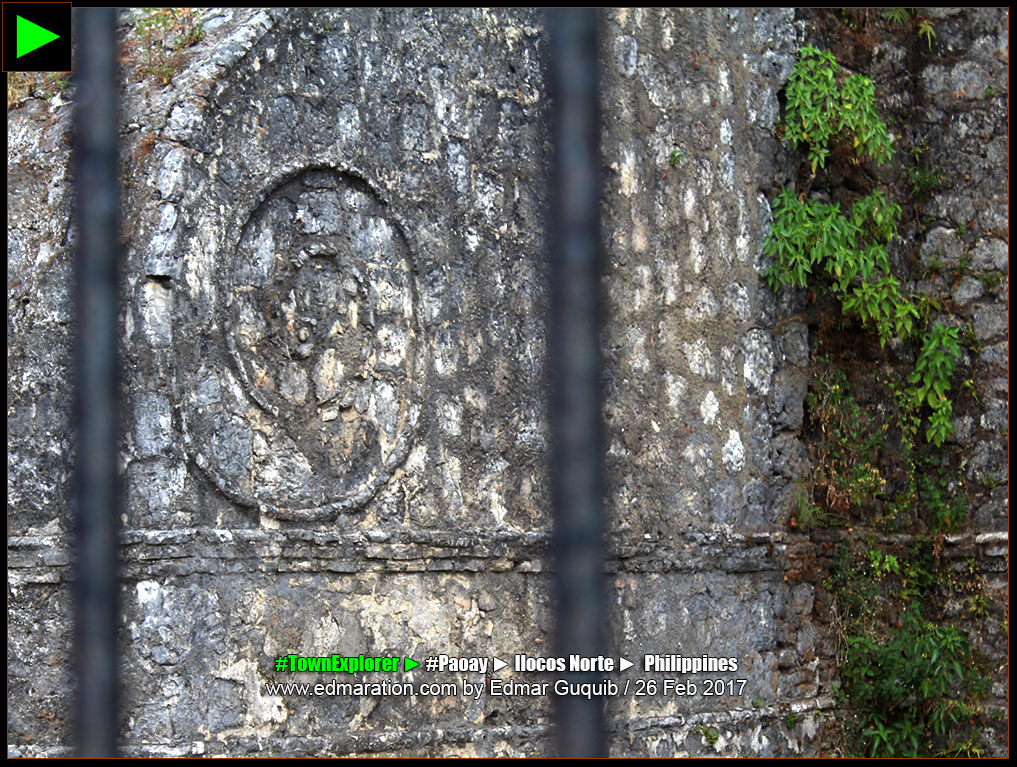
(320, 328)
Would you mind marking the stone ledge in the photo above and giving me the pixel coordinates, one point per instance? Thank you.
(395, 740)
(188, 551)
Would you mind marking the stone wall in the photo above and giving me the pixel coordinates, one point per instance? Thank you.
(334, 413)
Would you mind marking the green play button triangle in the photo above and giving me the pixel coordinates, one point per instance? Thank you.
(31, 36)
(409, 663)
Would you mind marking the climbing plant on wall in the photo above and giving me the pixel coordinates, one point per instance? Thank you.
(911, 681)
(850, 248)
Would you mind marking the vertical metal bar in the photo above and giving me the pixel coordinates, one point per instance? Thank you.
(97, 402)
(574, 341)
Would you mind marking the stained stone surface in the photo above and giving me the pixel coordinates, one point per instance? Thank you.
(334, 412)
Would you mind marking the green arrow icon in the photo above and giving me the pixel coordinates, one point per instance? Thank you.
(31, 36)
(409, 663)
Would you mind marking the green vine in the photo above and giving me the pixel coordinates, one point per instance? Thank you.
(910, 678)
(811, 237)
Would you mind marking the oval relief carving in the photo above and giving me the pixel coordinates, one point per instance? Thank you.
(320, 327)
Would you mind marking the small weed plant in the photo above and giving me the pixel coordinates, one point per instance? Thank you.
(710, 735)
(914, 684)
(162, 33)
(930, 380)
(849, 442)
(819, 110)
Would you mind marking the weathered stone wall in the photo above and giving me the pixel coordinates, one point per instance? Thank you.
(333, 337)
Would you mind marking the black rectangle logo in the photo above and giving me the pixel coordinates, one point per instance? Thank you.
(37, 37)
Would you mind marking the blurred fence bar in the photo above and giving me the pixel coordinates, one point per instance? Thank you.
(97, 401)
(574, 346)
